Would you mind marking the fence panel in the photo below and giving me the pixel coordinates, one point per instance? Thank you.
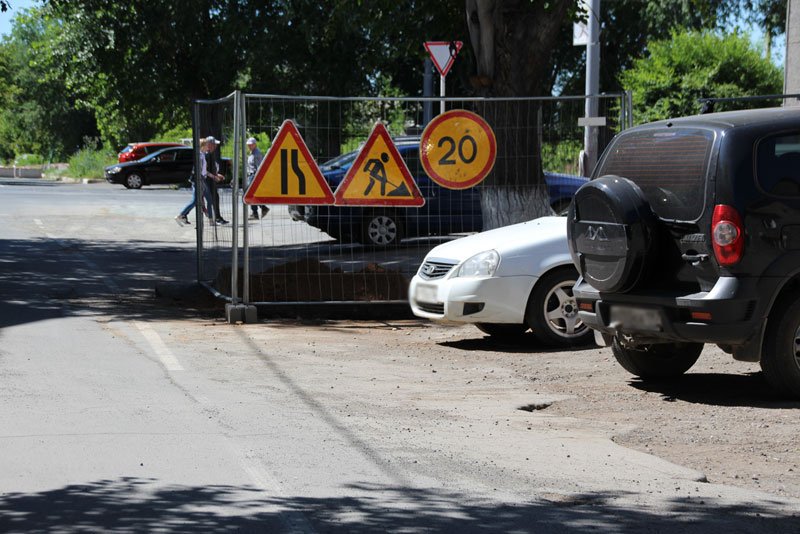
(315, 254)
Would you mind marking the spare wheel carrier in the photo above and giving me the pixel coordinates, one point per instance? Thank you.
(612, 234)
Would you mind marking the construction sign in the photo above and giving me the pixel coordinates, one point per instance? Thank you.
(379, 176)
(288, 174)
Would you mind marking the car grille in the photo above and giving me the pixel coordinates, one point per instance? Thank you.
(435, 269)
(431, 308)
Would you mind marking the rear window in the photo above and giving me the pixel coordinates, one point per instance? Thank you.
(778, 164)
(669, 166)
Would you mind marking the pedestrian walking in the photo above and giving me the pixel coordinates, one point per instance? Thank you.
(253, 161)
(212, 178)
(182, 218)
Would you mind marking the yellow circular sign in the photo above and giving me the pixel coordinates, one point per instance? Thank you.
(458, 149)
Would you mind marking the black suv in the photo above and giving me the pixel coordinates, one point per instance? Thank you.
(689, 233)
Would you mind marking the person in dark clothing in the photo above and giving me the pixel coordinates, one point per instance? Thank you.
(212, 179)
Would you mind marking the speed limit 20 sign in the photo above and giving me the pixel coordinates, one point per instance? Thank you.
(458, 149)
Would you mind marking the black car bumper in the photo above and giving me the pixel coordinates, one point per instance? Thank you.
(732, 313)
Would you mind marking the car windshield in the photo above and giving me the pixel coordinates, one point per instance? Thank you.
(170, 152)
(343, 160)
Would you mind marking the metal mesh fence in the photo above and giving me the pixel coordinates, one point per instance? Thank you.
(215, 239)
(312, 254)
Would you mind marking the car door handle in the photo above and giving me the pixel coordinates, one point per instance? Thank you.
(695, 258)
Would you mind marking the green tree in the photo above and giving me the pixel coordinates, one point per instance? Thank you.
(138, 64)
(37, 114)
(694, 65)
(627, 26)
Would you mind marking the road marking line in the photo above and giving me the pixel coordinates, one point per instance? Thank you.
(168, 359)
(295, 521)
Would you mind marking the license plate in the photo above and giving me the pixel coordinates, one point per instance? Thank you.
(636, 318)
(426, 293)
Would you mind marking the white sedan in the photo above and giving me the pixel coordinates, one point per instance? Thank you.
(504, 281)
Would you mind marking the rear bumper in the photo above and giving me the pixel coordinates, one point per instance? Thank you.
(732, 313)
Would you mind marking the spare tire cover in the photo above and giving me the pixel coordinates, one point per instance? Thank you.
(612, 233)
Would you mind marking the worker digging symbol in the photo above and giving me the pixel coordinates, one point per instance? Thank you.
(377, 173)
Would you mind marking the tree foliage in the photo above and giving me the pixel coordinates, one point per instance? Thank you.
(693, 65)
(627, 26)
(135, 66)
(37, 113)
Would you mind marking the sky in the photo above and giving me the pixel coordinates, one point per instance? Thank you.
(756, 35)
(8, 16)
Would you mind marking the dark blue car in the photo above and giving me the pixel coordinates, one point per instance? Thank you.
(446, 211)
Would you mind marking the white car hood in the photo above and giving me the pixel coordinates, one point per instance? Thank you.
(525, 248)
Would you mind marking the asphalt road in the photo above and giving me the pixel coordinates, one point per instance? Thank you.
(125, 413)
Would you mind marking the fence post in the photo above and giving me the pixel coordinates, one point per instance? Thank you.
(198, 189)
(235, 312)
(235, 202)
(629, 106)
(246, 226)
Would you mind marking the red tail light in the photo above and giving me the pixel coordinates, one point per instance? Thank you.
(728, 235)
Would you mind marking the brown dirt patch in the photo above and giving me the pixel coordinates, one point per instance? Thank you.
(308, 280)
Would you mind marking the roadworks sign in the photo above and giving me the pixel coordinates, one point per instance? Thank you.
(379, 176)
(288, 174)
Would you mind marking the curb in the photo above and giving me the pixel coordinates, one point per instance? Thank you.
(67, 179)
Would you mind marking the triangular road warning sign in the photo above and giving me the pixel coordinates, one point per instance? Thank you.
(288, 174)
(443, 54)
(379, 176)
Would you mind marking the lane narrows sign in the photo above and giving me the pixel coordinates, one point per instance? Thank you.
(288, 174)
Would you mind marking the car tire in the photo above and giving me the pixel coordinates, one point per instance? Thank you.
(552, 311)
(134, 181)
(656, 361)
(502, 330)
(612, 234)
(381, 229)
(780, 359)
(561, 207)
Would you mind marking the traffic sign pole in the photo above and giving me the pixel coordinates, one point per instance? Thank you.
(443, 54)
(441, 93)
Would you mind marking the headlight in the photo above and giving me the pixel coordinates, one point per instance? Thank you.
(483, 264)
(114, 170)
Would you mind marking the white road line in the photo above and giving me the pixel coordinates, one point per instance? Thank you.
(168, 359)
(294, 520)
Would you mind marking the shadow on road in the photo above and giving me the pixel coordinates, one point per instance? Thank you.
(718, 390)
(525, 343)
(43, 279)
(140, 505)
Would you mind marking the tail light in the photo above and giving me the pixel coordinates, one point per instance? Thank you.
(728, 235)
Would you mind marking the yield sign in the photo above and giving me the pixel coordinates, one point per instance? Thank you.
(379, 176)
(288, 174)
(443, 54)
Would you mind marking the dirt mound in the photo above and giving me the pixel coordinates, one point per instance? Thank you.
(308, 280)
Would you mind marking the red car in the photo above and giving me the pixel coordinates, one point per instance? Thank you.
(135, 151)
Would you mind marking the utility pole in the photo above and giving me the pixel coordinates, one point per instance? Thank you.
(592, 85)
(791, 71)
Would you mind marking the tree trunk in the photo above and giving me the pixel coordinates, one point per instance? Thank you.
(512, 41)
